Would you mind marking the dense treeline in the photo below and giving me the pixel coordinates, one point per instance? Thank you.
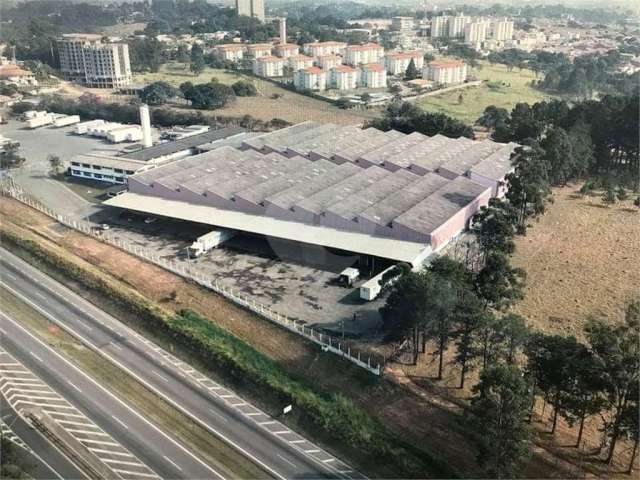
(589, 138)
(88, 107)
(407, 118)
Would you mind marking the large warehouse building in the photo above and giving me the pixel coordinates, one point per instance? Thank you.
(380, 194)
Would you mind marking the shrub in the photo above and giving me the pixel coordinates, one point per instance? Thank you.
(242, 88)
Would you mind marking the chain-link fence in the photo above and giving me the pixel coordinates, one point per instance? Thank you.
(327, 342)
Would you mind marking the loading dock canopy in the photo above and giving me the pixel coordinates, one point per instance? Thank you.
(398, 250)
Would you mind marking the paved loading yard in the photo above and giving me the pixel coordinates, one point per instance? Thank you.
(276, 273)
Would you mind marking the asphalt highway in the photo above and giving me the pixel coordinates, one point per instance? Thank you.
(282, 452)
(165, 456)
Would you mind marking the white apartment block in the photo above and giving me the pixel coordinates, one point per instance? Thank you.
(299, 62)
(502, 30)
(373, 75)
(268, 67)
(84, 58)
(476, 32)
(456, 25)
(312, 78)
(258, 50)
(445, 72)
(318, 49)
(361, 54)
(401, 24)
(286, 50)
(343, 77)
(230, 52)
(397, 63)
(327, 62)
(440, 26)
(251, 8)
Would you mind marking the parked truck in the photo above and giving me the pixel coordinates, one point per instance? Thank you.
(125, 133)
(83, 128)
(209, 241)
(66, 120)
(40, 121)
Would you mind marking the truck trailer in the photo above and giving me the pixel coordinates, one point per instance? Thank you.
(40, 121)
(66, 120)
(83, 128)
(125, 133)
(209, 241)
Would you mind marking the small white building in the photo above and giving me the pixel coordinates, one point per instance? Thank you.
(299, 62)
(318, 49)
(397, 63)
(312, 78)
(268, 67)
(231, 52)
(327, 62)
(105, 168)
(373, 75)
(361, 54)
(445, 72)
(259, 50)
(286, 50)
(343, 77)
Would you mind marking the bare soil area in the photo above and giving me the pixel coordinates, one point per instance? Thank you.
(582, 260)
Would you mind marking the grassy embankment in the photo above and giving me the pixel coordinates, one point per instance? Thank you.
(501, 88)
(336, 417)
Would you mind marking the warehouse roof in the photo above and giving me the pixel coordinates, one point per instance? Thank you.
(169, 148)
(399, 250)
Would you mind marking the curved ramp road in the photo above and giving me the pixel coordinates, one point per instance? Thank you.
(261, 438)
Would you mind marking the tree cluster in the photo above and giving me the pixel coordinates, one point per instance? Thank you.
(407, 118)
(207, 96)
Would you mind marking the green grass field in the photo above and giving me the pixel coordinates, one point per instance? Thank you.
(502, 89)
(176, 73)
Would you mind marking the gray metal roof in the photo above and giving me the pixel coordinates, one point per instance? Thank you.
(260, 141)
(496, 165)
(169, 148)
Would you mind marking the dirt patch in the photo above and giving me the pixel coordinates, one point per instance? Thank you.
(582, 260)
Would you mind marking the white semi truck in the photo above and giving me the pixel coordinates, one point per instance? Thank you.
(209, 241)
(66, 120)
(40, 121)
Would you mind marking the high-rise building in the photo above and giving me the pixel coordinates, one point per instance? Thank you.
(502, 29)
(86, 59)
(402, 24)
(456, 25)
(440, 26)
(476, 32)
(251, 8)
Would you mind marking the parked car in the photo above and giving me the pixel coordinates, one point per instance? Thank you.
(150, 220)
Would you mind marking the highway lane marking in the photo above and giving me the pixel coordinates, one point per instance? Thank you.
(329, 460)
(73, 422)
(12, 277)
(129, 472)
(86, 432)
(116, 346)
(160, 375)
(297, 441)
(99, 386)
(36, 357)
(74, 386)
(120, 421)
(120, 462)
(288, 461)
(172, 462)
(199, 377)
(224, 419)
(38, 294)
(110, 452)
(100, 442)
(3, 331)
(270, 422)
(281, 432)
(253, 414)
(312, 451)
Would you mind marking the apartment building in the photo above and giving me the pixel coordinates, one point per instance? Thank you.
(231, 52)
(312, 78)
(257, 50)
(268, 67)
(397, 63)
(445, 72)
(502, 30)
(86, 59)
(361, 54)
(456, 26)
(327, 62)
(299, 62)
(318, 49)
(402, 24)
(373, 75)
(251, 8)
(440, 26)
(286, 50)
(343, 77)
(475, 33)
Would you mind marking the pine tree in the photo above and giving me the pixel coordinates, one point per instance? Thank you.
(411, 72)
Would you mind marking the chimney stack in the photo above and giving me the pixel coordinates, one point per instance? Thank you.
(145, 122)
(283, 30)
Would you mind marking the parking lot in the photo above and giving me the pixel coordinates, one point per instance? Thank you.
(297, 282)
